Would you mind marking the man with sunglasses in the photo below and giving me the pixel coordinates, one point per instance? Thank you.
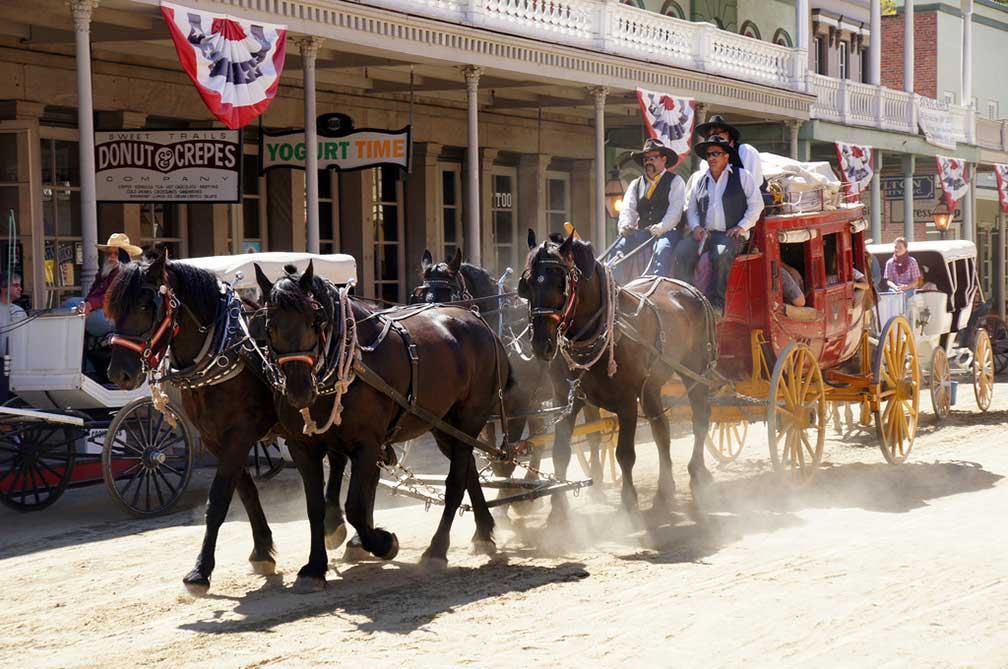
(652, 207)
(746, 155)
(724, 203)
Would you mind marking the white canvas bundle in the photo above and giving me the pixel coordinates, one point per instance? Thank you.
(808, 186)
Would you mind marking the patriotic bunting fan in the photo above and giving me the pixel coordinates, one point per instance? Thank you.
(1001, 172)
(952, 173)
(856, 166)
(668, 119)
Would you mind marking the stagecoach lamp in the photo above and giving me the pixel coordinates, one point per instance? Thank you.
(942, 217)
(614, 190)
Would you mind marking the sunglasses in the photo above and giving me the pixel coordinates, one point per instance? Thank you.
(715, 154)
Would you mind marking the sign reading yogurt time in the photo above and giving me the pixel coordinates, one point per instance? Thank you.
(341, 147)
(168, 165)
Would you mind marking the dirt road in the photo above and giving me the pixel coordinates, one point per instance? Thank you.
(872, 565)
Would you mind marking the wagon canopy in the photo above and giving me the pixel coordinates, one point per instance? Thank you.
(958, 279)
(239, 271)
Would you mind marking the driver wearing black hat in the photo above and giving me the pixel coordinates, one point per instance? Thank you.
(745, 154)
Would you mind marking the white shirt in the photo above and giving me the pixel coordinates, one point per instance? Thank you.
(629, 218)
(9, 314)
(750, 161)
(715, 206)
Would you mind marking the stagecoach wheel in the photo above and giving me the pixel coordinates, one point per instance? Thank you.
(146, 463)
(796, 415)
(725, 440)
(896, 372)
(266, 460)
(941, 383)
(983, 370)
(998, 332)
(36, 461)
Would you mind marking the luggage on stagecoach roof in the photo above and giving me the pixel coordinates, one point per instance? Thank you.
(239, 270)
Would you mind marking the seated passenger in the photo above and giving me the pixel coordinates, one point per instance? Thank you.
(652, 207)
(791, 286)
(10, 313)
(97, 325)
(902, 273)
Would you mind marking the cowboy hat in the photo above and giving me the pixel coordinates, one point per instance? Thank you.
(653, 144)
(700, 149)
(718, 121)
(118, 240)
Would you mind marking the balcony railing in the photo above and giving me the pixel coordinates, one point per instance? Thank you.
(611, 27)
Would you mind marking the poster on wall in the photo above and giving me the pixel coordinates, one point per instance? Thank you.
(1001, 172)
(168, 165)
(856, 167)
(668, 119)
(341, 147)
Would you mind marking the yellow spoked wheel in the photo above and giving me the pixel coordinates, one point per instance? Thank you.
(607, 457)
(983, 370)
(796, 415)
(896, 371)
(941, 383)
(725, 440)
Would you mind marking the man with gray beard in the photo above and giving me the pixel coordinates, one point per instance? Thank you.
(97, 325)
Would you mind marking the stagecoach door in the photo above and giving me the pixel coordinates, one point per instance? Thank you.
(508, 247)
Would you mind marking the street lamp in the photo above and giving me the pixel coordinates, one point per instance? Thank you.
(614, 191)
(942, 217)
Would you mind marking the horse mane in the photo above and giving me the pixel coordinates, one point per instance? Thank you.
(287, 294)
(197, 288)
(479, 281)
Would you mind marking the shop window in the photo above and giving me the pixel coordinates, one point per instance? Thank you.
(63, 253)
(451, 210)
(557, 200)
(819, 56)
(159, 225)
(252, 220)
(328, 211)
(504, 217)
(844, 53)
(388, 234)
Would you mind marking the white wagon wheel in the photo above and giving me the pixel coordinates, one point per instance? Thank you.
(796, 414)
(896, 372)
(940, 383)
(983, 370)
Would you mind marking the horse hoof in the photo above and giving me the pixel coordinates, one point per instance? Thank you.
(433, 564)
(263, 567)
(196, 584)
(306, 585)
(393, 549)
(335, 539)
(355, 553)
(484, 547)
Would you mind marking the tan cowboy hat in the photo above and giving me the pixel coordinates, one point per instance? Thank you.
(119, 240)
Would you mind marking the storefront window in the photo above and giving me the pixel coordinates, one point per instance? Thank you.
(451, 219)
(328, 212)
(388, 234)
(61, 218)
(504, 214)
(251, 193)
(159, 224)
(557, 200)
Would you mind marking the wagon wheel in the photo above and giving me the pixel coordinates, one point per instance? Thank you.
(896, 372)
(726, 439)
(941, 383)
(607, 456)
(796, 415)
(146, 463)
(998, 332)
(983, 370)
(36, 461)
(266, 460)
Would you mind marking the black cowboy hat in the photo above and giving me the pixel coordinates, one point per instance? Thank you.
(718, 121)
(653, 144)
(700, 149)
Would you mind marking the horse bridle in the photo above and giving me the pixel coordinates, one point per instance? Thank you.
(458, 290)
(153, 342)
(315, 357)
(565, 314)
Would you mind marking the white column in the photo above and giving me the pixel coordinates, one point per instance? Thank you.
(908, 47)
(793, 128)
(875, 46)
(969, 205)
(876, 198)
(699, 118)
(309, 51)
(82, 10)
(802, 21)
(966, 89)
(599, 94)
(472, 212)
(908, 199)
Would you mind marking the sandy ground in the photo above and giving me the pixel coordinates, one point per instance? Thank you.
(872, 565)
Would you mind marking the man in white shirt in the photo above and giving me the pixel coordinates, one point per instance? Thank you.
(747, 155)
(724, 204)
(652, 207)
(10, 313)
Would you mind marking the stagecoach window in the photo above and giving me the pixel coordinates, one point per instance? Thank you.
(835, 272)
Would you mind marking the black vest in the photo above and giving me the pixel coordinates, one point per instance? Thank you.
(652, 210)
(734, 201)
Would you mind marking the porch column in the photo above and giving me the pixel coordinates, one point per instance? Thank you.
(599, 94)
(793, 128)
(472, 209)
(699, 117)
(802, 25)
(532, 194)
(967, 54)
(908, 199)
(908, 47)
(309, 51)
(82, 10)
(875, 45)
(875, 210)
(969, 205)
(999, 267)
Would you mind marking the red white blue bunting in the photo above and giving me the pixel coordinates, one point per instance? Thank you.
(1001, 172)
(234, 63)
(668, 119)
(857, 166)
(952, 174)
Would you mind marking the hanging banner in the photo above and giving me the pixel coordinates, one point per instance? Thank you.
(669, 119)
(1001, 172)
(168, 165)
(234, 63)
(856, 166)
(952, 174)
(936, 121)
(341, 147)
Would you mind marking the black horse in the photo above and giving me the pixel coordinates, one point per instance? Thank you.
(170, 308)
(445, 358)
(467, 284)
(648, 326)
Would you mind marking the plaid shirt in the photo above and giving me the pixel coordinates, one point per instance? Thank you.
(906, 278)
